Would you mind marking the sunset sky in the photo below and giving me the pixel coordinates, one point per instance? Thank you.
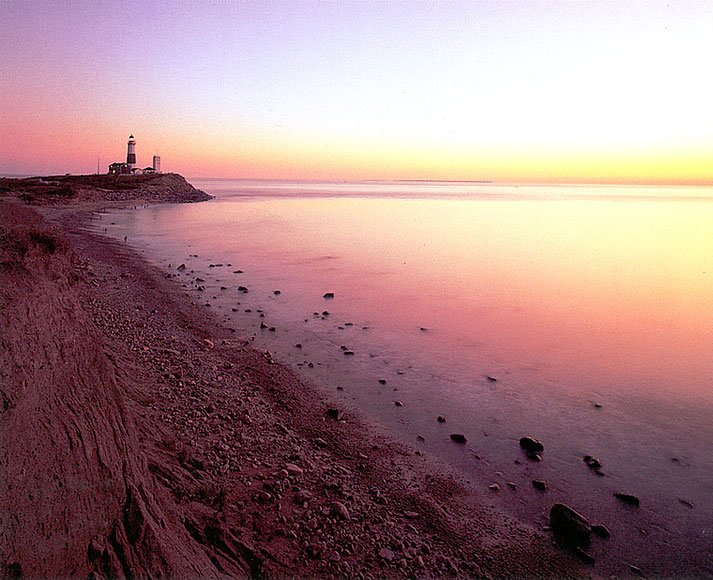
(529, 91)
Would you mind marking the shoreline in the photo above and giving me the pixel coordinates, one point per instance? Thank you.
(665, 537)
(491, 455)
(240, 444)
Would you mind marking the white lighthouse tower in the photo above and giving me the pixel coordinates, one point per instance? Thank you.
(131, 153)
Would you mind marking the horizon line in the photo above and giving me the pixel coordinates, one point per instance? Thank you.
(600, 182)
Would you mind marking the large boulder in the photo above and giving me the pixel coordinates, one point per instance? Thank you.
(569, 527)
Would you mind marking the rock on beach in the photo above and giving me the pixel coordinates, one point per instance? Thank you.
(569, 527)
(627, 499)
(532, 445)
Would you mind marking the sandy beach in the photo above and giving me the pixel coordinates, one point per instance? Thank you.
(143, 438)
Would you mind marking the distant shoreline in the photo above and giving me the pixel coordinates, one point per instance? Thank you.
(464, 181)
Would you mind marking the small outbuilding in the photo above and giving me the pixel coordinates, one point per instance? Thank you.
(119, 169)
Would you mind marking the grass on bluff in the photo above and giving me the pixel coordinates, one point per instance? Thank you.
(63, 188)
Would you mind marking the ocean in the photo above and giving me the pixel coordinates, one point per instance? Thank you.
(578, 315)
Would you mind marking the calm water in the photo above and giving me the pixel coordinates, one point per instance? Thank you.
(592, 307)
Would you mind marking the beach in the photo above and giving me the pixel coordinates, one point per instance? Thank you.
(577, 315)
(142, 437)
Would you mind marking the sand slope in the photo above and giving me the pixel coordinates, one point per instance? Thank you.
(77, 492)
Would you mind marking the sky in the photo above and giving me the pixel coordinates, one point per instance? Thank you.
(530, 91)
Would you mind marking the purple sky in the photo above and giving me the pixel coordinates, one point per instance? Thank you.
(525, 90)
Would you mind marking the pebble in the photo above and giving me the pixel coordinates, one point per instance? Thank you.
(334, 414)
(458, 437)
(398, 403)
(627, 499)
(539, 484)
(340, 511)
(441, 419)
(293, 469)
(328, 295)
(386, 554)
(531, 444)
(494, 487)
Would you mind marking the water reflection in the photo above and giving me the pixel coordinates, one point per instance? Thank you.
(567, 299)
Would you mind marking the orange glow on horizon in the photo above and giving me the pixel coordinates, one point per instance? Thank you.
(600, 92)
(52, 147)
(283, 160)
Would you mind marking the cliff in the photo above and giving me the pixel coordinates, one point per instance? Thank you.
(159, 187)
(78, 494)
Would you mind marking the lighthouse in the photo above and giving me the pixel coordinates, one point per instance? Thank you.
(131, 153)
